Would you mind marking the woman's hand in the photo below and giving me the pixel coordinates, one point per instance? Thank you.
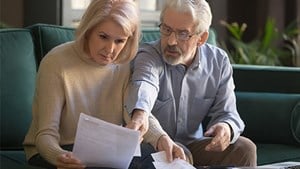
(68, 161)
(172, 150)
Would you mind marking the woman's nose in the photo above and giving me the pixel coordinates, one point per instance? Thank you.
(109, 48)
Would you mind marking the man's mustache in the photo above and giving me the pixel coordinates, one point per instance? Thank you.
(173, 48)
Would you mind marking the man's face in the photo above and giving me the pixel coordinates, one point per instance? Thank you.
(177, 49)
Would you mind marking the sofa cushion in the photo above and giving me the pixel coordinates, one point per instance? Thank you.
(8, 163)
(18, 72)
(273, 153)
(48, 36)
(270, 117)
(258, 78)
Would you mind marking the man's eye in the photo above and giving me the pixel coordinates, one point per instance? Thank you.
(183, 33)
(168, 30)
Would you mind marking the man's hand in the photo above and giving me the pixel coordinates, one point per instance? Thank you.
(139, 121)
(172, 150)
(68, 160)
(221, 134)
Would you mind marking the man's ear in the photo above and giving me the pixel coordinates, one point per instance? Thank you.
(203, 38)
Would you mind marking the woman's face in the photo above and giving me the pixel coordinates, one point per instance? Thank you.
(106, 41)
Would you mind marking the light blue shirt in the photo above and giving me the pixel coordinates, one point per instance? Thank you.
(181, 97)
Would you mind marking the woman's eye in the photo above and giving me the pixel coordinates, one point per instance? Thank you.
(119, 41)
(102, 36)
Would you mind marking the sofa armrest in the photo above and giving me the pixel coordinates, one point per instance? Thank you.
(17, 76)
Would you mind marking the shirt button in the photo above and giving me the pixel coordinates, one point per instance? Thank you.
(179, 120)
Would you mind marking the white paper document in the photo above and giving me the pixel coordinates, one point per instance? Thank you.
(160, 162)
(281, 165)
(102, 144)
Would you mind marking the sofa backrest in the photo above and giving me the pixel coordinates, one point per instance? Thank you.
(273, 79)
(18, 72)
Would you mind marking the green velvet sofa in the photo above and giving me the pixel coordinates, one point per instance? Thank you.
(268, 98)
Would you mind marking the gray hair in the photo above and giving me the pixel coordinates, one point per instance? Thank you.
(123, 12)
(199, 9)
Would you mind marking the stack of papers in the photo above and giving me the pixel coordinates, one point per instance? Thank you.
(282, 165)
(160, 162)
(102, 144)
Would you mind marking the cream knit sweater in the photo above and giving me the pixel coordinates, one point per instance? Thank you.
(68, 83)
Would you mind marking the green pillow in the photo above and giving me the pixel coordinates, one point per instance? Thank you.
(48, 36)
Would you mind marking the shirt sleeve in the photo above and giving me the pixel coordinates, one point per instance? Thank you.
(224, 108)
(144, 84)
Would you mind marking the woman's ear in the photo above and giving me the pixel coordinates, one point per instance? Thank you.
(203, 38)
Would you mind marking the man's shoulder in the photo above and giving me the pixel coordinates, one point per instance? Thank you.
(213, 56)
(150, 46)
(213, 48)
(150, 51)
(212, 52)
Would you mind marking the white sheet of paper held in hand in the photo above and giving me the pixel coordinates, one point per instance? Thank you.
(102, 144)
(160, 162)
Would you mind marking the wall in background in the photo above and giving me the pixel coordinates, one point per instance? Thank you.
(17, 13)
(42, 11)
(11, 12)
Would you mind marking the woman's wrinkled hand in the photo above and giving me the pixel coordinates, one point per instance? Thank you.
(172, 150)
(68, 161)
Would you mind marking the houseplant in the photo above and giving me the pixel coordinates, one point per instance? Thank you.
(291, 38)
(263, 49)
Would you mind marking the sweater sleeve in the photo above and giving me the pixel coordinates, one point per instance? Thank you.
(48, 106)
(155, 131)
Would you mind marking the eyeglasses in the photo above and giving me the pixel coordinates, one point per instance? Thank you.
(180, 35)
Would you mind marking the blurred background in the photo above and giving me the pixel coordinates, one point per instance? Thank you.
(242, 20)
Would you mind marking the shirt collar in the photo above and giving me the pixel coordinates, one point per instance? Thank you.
(196, 64)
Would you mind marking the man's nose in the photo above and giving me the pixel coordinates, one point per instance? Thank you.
(172, 39)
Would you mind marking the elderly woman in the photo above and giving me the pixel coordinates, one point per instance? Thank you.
(87, 75)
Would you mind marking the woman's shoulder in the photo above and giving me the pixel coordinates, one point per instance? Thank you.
(58, 57)
(59, 52)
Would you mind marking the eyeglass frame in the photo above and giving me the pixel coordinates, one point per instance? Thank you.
(177, 33)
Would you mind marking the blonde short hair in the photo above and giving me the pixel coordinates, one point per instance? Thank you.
(123, 12)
